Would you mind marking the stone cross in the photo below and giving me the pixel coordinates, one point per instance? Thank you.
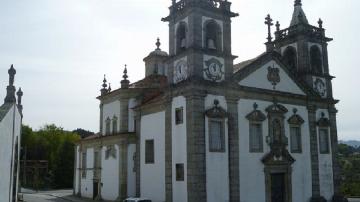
(269, 23)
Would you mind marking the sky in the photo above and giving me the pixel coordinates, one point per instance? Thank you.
(62, 48)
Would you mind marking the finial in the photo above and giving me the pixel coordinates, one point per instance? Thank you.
(216, 102)
(255, 106)
(158, 44)
(19, 95)
(298, 3)
(104, 82)
(320, 22)
(125, 76)
(268, 22)
(109, 89)
(125, 82)
(12, 73)
(322, 115)
(277, 26)
(295, 111)
(173, 2)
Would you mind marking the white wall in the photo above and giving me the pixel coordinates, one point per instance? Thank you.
(258, 79)
(217, 163)
(252, 175)
(131, 177)
(179, 150)
(152, 182)
(110, 174)
(109, 111)
(325, 164)
(8, 138)
(87, 183)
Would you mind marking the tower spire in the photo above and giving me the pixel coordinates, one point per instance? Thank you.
(10, 90)
(299, 16)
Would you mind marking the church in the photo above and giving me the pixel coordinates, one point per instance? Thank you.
(10, 130)
(199, 128)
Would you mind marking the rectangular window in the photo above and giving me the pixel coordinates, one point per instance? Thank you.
(256, 137)
(216, 136)
(96, 160)
(83, 165)
(180, 172)
(115, 126)
(295, 139)
(149, 152)
(179, 115)
(108, 127)
(324, 141)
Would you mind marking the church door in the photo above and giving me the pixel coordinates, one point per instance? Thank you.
(278, 192)
(95, 190)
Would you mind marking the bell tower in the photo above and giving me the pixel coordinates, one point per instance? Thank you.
(200, 40)
(303, 48)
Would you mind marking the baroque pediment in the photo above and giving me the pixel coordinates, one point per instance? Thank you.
(278, 157)
(216, 111)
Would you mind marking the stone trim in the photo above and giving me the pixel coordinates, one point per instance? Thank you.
(323, 121)
(234, 151)
(222, 134)
(196, 148)
(314, 152)
(256, 115)
(168, 151)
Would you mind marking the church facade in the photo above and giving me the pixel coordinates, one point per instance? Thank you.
(200, 128)
(10, 130)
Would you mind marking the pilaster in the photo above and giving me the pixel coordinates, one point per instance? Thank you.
(314, 154)
(124, 113)
(168, 150)
(123, 171)
(137, 154)
(196, 148)
(233, 133)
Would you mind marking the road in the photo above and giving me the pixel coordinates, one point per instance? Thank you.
(50, 196)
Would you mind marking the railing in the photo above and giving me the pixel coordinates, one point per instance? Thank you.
(302, 28)
(180, 5)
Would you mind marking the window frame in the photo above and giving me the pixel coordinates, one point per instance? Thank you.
(179, 119)
(298, 138)
(327, 149)
(83, 164)
(114, 125)
(261, 138)
(149, 159)
(107, 126)
(179, 172)
(222, 148)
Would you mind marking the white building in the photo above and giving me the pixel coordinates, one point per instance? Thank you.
(199, 128)
(10, 126)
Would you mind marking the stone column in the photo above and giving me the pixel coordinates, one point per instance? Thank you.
(314, 154)
(334, 149)
(101, 118)
(196, 148)
(168, 150)
(233, 140)
(124, 115)
(123, 163)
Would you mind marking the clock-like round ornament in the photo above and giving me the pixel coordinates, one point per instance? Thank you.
(214, 70)
(320, 87)
(180, 71)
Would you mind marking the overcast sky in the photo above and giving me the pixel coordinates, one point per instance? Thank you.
(62, 48)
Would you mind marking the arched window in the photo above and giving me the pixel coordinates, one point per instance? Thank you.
(114, 125)
(181, 43)
(107, 126)
(316, 60)
(290, 58)
(212, 36)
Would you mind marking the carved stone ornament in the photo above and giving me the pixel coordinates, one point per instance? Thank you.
(214, 70)
(295, 119)
(323, 121)
(256, 115)
(273, 76)
(110, 152)
(216, 111)
(276, 108)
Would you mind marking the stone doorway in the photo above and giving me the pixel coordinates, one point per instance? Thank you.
(278, 191)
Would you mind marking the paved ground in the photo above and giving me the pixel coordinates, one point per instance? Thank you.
(354, 200)
(50, 196)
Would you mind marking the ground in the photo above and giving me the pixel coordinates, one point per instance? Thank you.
(50, 196)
